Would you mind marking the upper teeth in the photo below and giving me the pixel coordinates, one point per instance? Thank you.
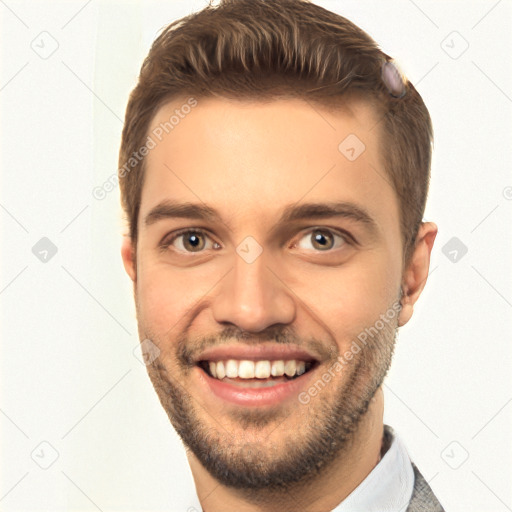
(246, 369)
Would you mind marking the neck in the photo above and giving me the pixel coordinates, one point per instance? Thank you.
(327, 491)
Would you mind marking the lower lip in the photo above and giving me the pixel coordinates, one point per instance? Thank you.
(254, 397)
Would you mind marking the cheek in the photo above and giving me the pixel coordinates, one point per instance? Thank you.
(352, 297)
(167, 295)
(163, 298)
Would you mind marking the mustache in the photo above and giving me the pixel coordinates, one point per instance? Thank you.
(187, 349)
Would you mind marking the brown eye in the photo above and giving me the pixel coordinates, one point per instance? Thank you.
(191, 241)
(321, 240)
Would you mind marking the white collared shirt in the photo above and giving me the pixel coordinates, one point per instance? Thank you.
(388, 487)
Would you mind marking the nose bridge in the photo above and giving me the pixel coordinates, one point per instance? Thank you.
(252, 297)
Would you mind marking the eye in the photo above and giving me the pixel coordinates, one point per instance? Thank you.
(189, 240)
(321, 240)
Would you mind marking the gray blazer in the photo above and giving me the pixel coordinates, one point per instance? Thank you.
(423, 499)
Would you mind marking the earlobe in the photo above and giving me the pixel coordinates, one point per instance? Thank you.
(128, 256)
(405, 313)
(415, 275)
(406, 308)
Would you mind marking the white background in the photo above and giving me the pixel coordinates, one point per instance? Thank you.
(69, 376)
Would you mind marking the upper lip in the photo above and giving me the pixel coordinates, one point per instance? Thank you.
(256, 352)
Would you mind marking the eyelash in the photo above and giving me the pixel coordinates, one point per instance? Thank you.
(167, 242)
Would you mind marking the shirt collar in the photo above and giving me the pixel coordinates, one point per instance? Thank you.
(388, 487)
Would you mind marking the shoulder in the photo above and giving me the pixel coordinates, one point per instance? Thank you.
(423, 498)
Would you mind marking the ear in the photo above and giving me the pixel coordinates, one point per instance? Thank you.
(416, 273)
(128, 255)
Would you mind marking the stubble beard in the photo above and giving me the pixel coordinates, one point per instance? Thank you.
(300, 455)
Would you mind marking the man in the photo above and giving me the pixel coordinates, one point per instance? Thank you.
(274, 168)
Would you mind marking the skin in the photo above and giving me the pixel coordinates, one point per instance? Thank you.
(248, 160)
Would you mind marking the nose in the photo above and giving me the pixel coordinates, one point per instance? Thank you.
(253, 297)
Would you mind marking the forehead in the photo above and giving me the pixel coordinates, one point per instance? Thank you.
(247, 157)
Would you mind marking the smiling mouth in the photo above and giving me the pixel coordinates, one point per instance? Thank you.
(256, 374)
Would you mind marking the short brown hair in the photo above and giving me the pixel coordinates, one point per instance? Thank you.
(266, 49)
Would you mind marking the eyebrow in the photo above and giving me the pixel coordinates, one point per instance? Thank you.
(169, 209)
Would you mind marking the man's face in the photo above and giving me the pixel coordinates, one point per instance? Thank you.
(303, 289)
